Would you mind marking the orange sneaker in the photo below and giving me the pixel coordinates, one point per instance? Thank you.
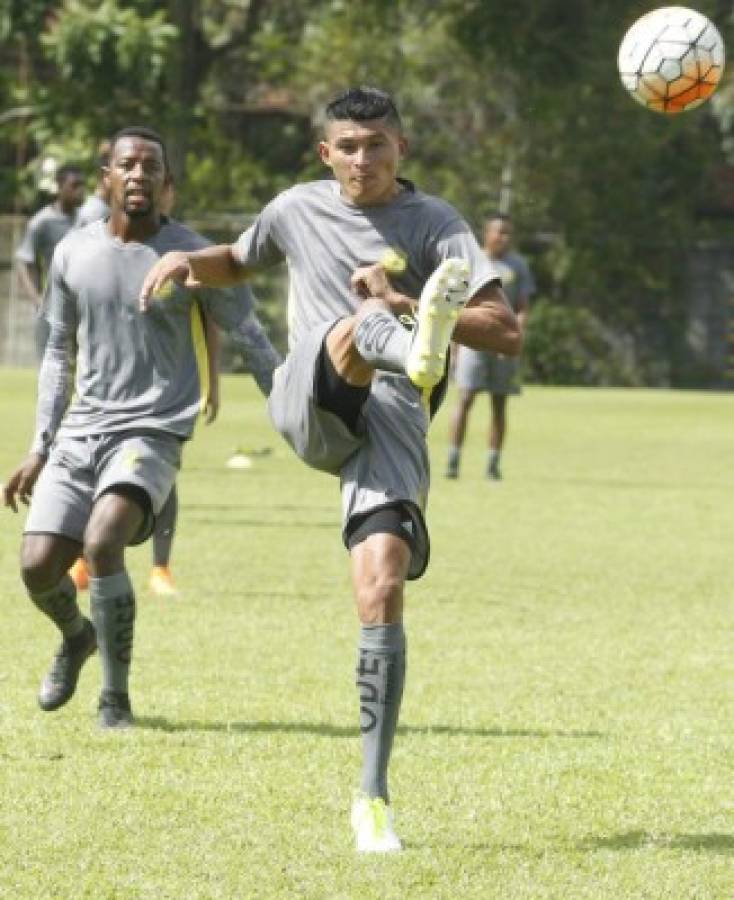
(161, 582)
(79, 574)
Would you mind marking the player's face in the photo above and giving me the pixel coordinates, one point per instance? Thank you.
(497, 236)
(136, 177)
(71, 191)
(364, 157)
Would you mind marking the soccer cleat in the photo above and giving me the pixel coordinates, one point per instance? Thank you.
(372, 822)
(58, 687)
(161, 582)
(452, 472)
(444, 296)
(114, 710)
(493, 472)
(79, 574)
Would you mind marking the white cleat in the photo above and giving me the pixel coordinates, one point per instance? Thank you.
(372, 821)
(442, 299)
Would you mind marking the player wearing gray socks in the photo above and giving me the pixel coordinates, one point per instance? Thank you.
(103, 461)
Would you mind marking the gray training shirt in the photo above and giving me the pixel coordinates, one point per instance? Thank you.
(324, 238)
(134, 371)
(42, 234)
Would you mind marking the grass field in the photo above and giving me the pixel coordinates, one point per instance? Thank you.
(567, 723)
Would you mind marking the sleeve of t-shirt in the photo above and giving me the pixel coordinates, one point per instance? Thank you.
(27, 250)
(457, 239)
(261, 246)
(56, 373)
(229, 307)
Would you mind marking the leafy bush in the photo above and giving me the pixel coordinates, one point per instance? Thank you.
(570, 345)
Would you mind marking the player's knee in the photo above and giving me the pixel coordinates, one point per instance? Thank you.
(380, 599)
(104, 545)
(39, 568)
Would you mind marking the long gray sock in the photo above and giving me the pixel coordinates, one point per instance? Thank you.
(382, 341)
(113, 614)
(380, 679)
(165, 529)
(60, 605)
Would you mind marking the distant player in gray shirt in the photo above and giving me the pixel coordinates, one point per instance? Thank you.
(43, 232)
(477, 370)
(360, 249)
(97, 205)
(103, 462)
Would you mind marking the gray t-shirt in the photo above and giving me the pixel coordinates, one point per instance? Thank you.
(92, 209)
(133, 370)
(43, 232)
(324, 238)
(517, 279)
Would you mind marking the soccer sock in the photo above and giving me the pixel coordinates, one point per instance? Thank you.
(454, 456)
(60, 605)
(380, 679)
(113, 614)
(165, 529)
(382, 341)
(493, 459)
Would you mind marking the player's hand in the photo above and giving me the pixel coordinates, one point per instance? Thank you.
(21, 482)
(211, 410)
(371, 281)
(170, 267)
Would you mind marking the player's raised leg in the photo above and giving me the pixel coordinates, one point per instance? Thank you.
(421, 353)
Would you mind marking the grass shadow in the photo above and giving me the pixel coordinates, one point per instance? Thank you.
(713, 842)
(161, 723)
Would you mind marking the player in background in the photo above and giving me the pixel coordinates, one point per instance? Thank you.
(479, 370)
(104, 460)
(161, 580)
(97, 204)
(360, 250)
(43, 232)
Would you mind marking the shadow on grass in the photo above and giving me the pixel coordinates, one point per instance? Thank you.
(161, 723)
(638, 840)
(261, 523)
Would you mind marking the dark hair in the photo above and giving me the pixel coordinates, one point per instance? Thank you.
(65, 171)
(362, 104)
(104, 151)
(498, 217)
(141, 131)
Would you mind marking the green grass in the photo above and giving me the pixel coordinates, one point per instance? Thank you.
(567, 723)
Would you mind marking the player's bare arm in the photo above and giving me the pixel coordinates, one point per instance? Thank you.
(20, 484)
(488, 323)
(213, 266)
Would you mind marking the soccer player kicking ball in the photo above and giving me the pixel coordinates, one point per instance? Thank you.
(102, 465)
(357, 389)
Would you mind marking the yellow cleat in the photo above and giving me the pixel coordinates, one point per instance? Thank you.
(161, 582)
(444, 296)
(79, 574)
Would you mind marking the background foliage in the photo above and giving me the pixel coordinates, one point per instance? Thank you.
(515, 103)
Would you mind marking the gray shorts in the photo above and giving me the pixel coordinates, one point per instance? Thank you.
(479, 370)
(384, 464)
(80, 470)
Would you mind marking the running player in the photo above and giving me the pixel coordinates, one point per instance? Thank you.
(43, 232)
(102, 465)
(359, 249)
(478, 370)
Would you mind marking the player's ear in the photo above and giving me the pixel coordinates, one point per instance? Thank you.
(403, 146)
(324, 153)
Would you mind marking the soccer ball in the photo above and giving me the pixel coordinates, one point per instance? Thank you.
(671, 59)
